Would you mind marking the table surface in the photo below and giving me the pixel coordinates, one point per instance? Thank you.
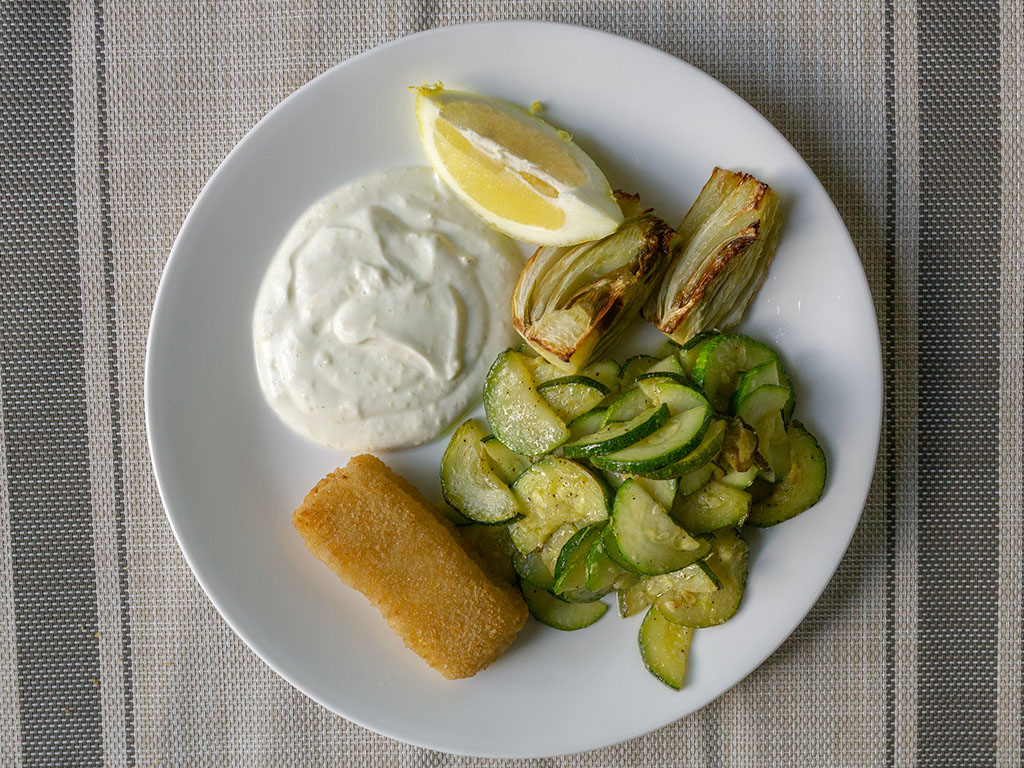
(115, 114)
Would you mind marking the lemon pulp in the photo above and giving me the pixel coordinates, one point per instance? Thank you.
(494, 185)
(521, 175)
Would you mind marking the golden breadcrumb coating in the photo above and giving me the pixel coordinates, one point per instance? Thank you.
(381, 536)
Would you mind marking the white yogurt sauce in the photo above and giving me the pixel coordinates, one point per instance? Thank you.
(381, 312)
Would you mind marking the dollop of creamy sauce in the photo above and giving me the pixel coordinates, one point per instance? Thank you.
(381, 312)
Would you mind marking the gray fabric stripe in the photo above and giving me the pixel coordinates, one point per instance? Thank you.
(43, 368)
(10, 719)
(959, 368)
(1010, 704)
(890, 386)
(902, 400)
(114, 382)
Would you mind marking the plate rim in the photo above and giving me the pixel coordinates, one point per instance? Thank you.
(253, 643)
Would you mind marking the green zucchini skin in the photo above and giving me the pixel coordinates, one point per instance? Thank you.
(517, 413)
(615, 436)
(714, 506)
(676, 438)
(469, 482)
(698, 442)
(571, 566)
(665, 648)
(559, 614)
(648, 540)
(572, 396)
(722, 362)
(728, 559)
(706, 452)
(801, 488)
(555, 492)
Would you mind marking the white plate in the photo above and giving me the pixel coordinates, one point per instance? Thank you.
(230, 473)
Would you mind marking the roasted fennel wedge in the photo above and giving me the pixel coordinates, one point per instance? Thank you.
(718, 258)
(572, 303)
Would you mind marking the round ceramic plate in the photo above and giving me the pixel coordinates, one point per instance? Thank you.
(230, 473)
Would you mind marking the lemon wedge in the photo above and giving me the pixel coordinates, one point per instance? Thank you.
(517, 172)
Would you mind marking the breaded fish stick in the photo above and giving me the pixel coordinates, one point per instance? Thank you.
(380, 536)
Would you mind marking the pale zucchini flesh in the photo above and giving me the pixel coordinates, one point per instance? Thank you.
(762, 410)
(722, 362)
(552, 493)
(540, 368)
(532, 568)
(801, 488)
(552, 547)
(549, 610)
(469, 483)
(662, 491)
(647, 537)
(741, 480)
(507, 465)
(518, 415)
(587, 424)
(572, 396)
(690, 351)
(677, 396)
(728, 559)
(603, 573)
(642, 593)
(615, 436)
(716, 505)
(693, 481)
(771, 372)
(627, 406)
(633, 367)
(664, 647)
(670, 443)
(668, 364)
(607, 372)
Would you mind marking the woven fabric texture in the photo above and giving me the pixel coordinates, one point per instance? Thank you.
(114, 114)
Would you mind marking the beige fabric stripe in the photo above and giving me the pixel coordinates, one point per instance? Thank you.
(101, 460)
(10, 725)
(818, 76)
(905, 364)
(1011, 389)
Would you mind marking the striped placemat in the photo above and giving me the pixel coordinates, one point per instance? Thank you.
(113, 116)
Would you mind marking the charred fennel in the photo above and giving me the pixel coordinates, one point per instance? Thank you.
(718, 258)
(572, 303)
